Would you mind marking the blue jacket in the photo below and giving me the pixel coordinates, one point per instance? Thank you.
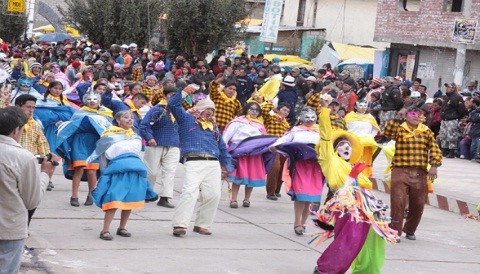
(157, 124)
(289, 95)
(194, 139)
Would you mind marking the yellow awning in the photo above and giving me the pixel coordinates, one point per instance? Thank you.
(49, 29)
(348, 52)
(288, 58)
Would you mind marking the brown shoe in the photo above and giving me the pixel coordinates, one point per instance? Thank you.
(201, 230)
(179, 231)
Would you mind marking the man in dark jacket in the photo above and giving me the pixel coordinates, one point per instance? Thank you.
(391, 101)
(288, 94)
(453, 109)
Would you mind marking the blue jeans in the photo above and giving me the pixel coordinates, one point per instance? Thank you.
(11, 252)
(474, 147)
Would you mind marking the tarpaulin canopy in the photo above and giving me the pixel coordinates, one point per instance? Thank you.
(287, 58)
(349, 51)
(49, 29)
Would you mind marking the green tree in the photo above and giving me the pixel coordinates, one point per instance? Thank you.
(202, 25)
(11, 26)
(114, 21)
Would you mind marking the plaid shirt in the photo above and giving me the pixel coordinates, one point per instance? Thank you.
(157, 97)
(34, 140)
(225, 111)
(150, 91)
(338, 123)
(274, 124)
(413, 149)
(137, 73)
(314, 101)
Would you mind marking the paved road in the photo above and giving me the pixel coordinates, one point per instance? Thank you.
(259, 239)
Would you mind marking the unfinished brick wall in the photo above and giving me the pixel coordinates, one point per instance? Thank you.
(429, 26)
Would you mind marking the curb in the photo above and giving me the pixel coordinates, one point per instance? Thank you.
(436, 200)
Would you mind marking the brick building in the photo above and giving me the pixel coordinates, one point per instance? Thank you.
(421, 34)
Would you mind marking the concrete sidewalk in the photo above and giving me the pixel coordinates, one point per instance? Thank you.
(259, 239)
(457, 188)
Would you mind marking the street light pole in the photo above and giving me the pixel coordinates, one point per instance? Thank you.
(31, 17)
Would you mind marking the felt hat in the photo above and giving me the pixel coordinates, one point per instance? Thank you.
(205, 104)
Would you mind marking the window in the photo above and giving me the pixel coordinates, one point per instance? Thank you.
(453, 5)
(409, 5)
(301, 12)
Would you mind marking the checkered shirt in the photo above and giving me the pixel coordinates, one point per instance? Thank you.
(225, 111)
(157, 97)
(415, 151)
(137, 73)
(273, 124)
(337, 122)
(150, 92)
(34, 140)
(314, 101)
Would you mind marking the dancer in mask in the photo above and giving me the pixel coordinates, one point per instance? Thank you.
(354, 215)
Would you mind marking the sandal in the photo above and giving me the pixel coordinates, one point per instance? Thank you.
(106, 236)
(298, 229)
(233, 204)
(123, 232)
(246, 203)
(179, 231)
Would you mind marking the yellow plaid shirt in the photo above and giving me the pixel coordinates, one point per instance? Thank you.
(314, 101)
(274, 124)
(34, 140)
(337, 122)
(150, 91)
(137, 73)
(413, 148)
(225, 111)
(157, 97)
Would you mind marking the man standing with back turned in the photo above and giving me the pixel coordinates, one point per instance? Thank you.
(22, 187)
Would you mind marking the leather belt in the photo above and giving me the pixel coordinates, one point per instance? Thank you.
(198, 158)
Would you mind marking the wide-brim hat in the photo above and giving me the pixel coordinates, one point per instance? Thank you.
(357, 147)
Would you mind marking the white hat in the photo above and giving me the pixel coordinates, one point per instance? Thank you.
(124, 46)
(429, 101)
(87, 49)
(99, 62)
(311, 78)
(133, 45)
(288, 81)
(205, 104)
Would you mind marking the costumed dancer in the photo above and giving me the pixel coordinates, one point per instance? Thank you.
(53, 110)
(24, 86)
(353, 214)
(302, 174)
(123, 184)
(415, 149)
(250, 166)
(206, 160)
(365, 126)
(76, 141)
(226, 103)
(162, 153)
(276, 123)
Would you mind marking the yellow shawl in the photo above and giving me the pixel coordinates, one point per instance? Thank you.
(117, 130)
(367, 117)
(103, 111)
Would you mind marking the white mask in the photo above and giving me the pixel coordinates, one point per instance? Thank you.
(344, 149)
(92, 98)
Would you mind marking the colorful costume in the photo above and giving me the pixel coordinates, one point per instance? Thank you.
(250, 169)
(366, 128)
(76, 138)
(352, 211)
(50, 112)
(123, 184)
(302, 174)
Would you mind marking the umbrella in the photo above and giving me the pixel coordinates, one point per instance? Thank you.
(56, 37)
